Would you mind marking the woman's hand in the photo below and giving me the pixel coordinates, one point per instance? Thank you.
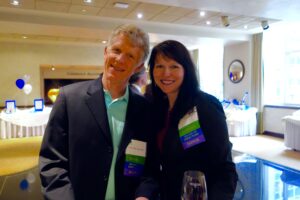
(141, 198)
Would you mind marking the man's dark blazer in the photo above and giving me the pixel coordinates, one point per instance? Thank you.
(77, 150)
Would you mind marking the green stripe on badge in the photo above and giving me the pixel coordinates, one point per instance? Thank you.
(135, 159)
(189, 128)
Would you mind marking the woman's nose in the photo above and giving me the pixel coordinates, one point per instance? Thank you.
(166, 71)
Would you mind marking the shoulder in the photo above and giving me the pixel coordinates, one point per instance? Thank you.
(208, 102)
(78, 86)
(138, 99)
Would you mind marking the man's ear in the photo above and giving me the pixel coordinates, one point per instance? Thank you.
(139, 68)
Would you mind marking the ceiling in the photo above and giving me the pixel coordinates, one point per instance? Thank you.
(80, 22)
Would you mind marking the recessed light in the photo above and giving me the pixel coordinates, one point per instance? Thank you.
(208, 22)
(52, 68)
(245, 27)
(202, 13)
(104, 41)
(139, 15)
(87, 1)
(121, 5)
(15, 2)
(24, 37)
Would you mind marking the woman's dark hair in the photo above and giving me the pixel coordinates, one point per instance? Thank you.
(188, 91)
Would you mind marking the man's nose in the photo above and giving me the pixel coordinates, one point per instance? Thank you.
(121, 57)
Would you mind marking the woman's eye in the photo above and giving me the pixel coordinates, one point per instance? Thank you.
(158, 66)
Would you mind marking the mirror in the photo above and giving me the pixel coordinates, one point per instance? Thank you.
(236, 71)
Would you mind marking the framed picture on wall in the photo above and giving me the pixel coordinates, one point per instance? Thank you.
(38, 105)
(10, 106)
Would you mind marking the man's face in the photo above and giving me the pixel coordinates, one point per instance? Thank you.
(122, 59)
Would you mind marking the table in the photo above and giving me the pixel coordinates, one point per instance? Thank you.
(241, 122)
(23, 123)
(291, 130)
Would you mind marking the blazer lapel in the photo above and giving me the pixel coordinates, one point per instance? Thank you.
(96, 103)
(132, 109)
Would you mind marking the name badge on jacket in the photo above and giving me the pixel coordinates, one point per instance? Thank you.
(135, 158)
(190, 131)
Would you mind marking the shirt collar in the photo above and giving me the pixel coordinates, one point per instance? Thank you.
(109, 100)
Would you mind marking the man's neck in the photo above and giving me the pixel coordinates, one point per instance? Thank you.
(115, 90)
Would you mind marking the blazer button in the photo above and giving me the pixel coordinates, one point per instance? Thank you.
(105, 178)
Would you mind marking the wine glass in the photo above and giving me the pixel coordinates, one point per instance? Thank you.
(193, 186)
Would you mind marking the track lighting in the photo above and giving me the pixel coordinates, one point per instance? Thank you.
(225, 21)
(265, 24)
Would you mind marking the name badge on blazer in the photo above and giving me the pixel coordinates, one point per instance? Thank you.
(190, 131)
(135, 155)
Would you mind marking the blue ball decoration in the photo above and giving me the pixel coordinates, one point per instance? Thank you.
(24, 184)
(20, 83)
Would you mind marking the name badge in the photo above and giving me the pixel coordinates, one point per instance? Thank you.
(135, 155)
(190, 131)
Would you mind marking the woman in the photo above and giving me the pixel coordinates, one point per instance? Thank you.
(192, 126)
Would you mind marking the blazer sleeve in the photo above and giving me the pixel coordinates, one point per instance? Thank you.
(53, 158)
(149, 186)
(222, 170)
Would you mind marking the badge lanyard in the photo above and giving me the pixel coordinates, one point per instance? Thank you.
(190, 131)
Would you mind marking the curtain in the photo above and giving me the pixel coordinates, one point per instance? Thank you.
(257, 80)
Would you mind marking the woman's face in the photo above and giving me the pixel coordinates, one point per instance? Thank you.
(168, 75)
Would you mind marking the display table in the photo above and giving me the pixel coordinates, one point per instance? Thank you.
(23, 123)
(241, 122)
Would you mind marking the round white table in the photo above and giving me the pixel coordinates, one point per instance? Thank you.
(241, 122)
(23, 123)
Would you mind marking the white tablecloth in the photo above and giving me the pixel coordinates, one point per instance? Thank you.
(241, 122)
(291, 129)
(23, 123)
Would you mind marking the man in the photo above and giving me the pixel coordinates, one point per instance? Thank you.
(94, 147)
(138, 80)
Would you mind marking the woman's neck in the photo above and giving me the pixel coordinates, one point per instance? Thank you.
(172, 99)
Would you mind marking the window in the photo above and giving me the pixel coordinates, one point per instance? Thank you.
(210, 67)
(281, 54)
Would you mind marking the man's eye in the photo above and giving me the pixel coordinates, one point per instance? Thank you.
(115, 50)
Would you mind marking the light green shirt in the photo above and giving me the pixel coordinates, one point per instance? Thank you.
(116, 113)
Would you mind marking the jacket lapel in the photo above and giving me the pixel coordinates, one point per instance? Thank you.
(96, 103)
(129, 123)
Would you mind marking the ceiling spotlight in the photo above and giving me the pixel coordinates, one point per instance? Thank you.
(139, 15)
(121, 5)
(14, 2)
(265, 24)
(225, 21)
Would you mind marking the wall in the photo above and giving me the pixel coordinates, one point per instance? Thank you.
(272, 118)
(241, 51)
(19, 59)
(271, 115)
